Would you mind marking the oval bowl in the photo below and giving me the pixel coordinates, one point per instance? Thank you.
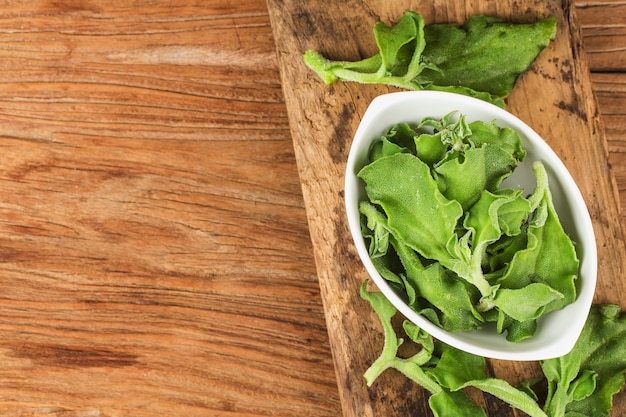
(557, 331)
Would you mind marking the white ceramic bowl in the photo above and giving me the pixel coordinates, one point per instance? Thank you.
(557, 331)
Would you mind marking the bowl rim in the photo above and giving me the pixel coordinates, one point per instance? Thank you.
(474, 341)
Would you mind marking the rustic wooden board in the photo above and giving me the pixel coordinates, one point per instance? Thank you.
(554, 97)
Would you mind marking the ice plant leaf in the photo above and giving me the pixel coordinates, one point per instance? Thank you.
(461, 59)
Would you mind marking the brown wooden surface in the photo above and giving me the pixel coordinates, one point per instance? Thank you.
(155, 256)
(154, 251)
(555, 97)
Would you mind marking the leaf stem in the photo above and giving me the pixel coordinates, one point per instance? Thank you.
(509, 394)
(414, 372)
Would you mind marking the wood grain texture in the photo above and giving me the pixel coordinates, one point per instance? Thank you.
(610, 89)
(604, 29)
(603, 26)
(154, 252)
(555, 97)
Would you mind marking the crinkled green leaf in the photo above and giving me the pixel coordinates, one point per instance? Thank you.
(465, 60)
(516, 331)
(515, 397)
(485, 54)
(386, 270)
(526, 303)
(550, 257)
(584, 385)
(403, 135)
(502, 251)
(527, 385)
(454, 132)
(580, 384)
(456, 370)
(419, 336)
(376, 222)
(430, 148)
(506, 138)
(497, 249)
(452, 298)
(401, 45)
(480, 169)
(419, 215)
(495, 214)
(384, 147)
(601, 348)
(409, 259)
(416, 211)
(513, 214)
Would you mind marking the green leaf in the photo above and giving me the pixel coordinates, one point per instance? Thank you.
(430, 148)
(452, 297)
(550, 257)
(401, 45)
(514, 397)
(495, 214)
(453, 133)
(376, 223)
(454, 404)
(403, 135)
(601, 349)
(513, 214)
(527, 385)
(485, 54)
(384, 147)
(516, 331)
(526, 303)
(506, 138)
(583, 386)
(386, 270)
(411, 367)
(455, 368)
(502, 251)
(419, 336)
(465, 60)
(417, 213)
(479, 169)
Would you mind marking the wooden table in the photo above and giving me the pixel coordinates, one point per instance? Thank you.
(154, 249)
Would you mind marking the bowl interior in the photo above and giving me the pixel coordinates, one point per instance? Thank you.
(557, 331)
